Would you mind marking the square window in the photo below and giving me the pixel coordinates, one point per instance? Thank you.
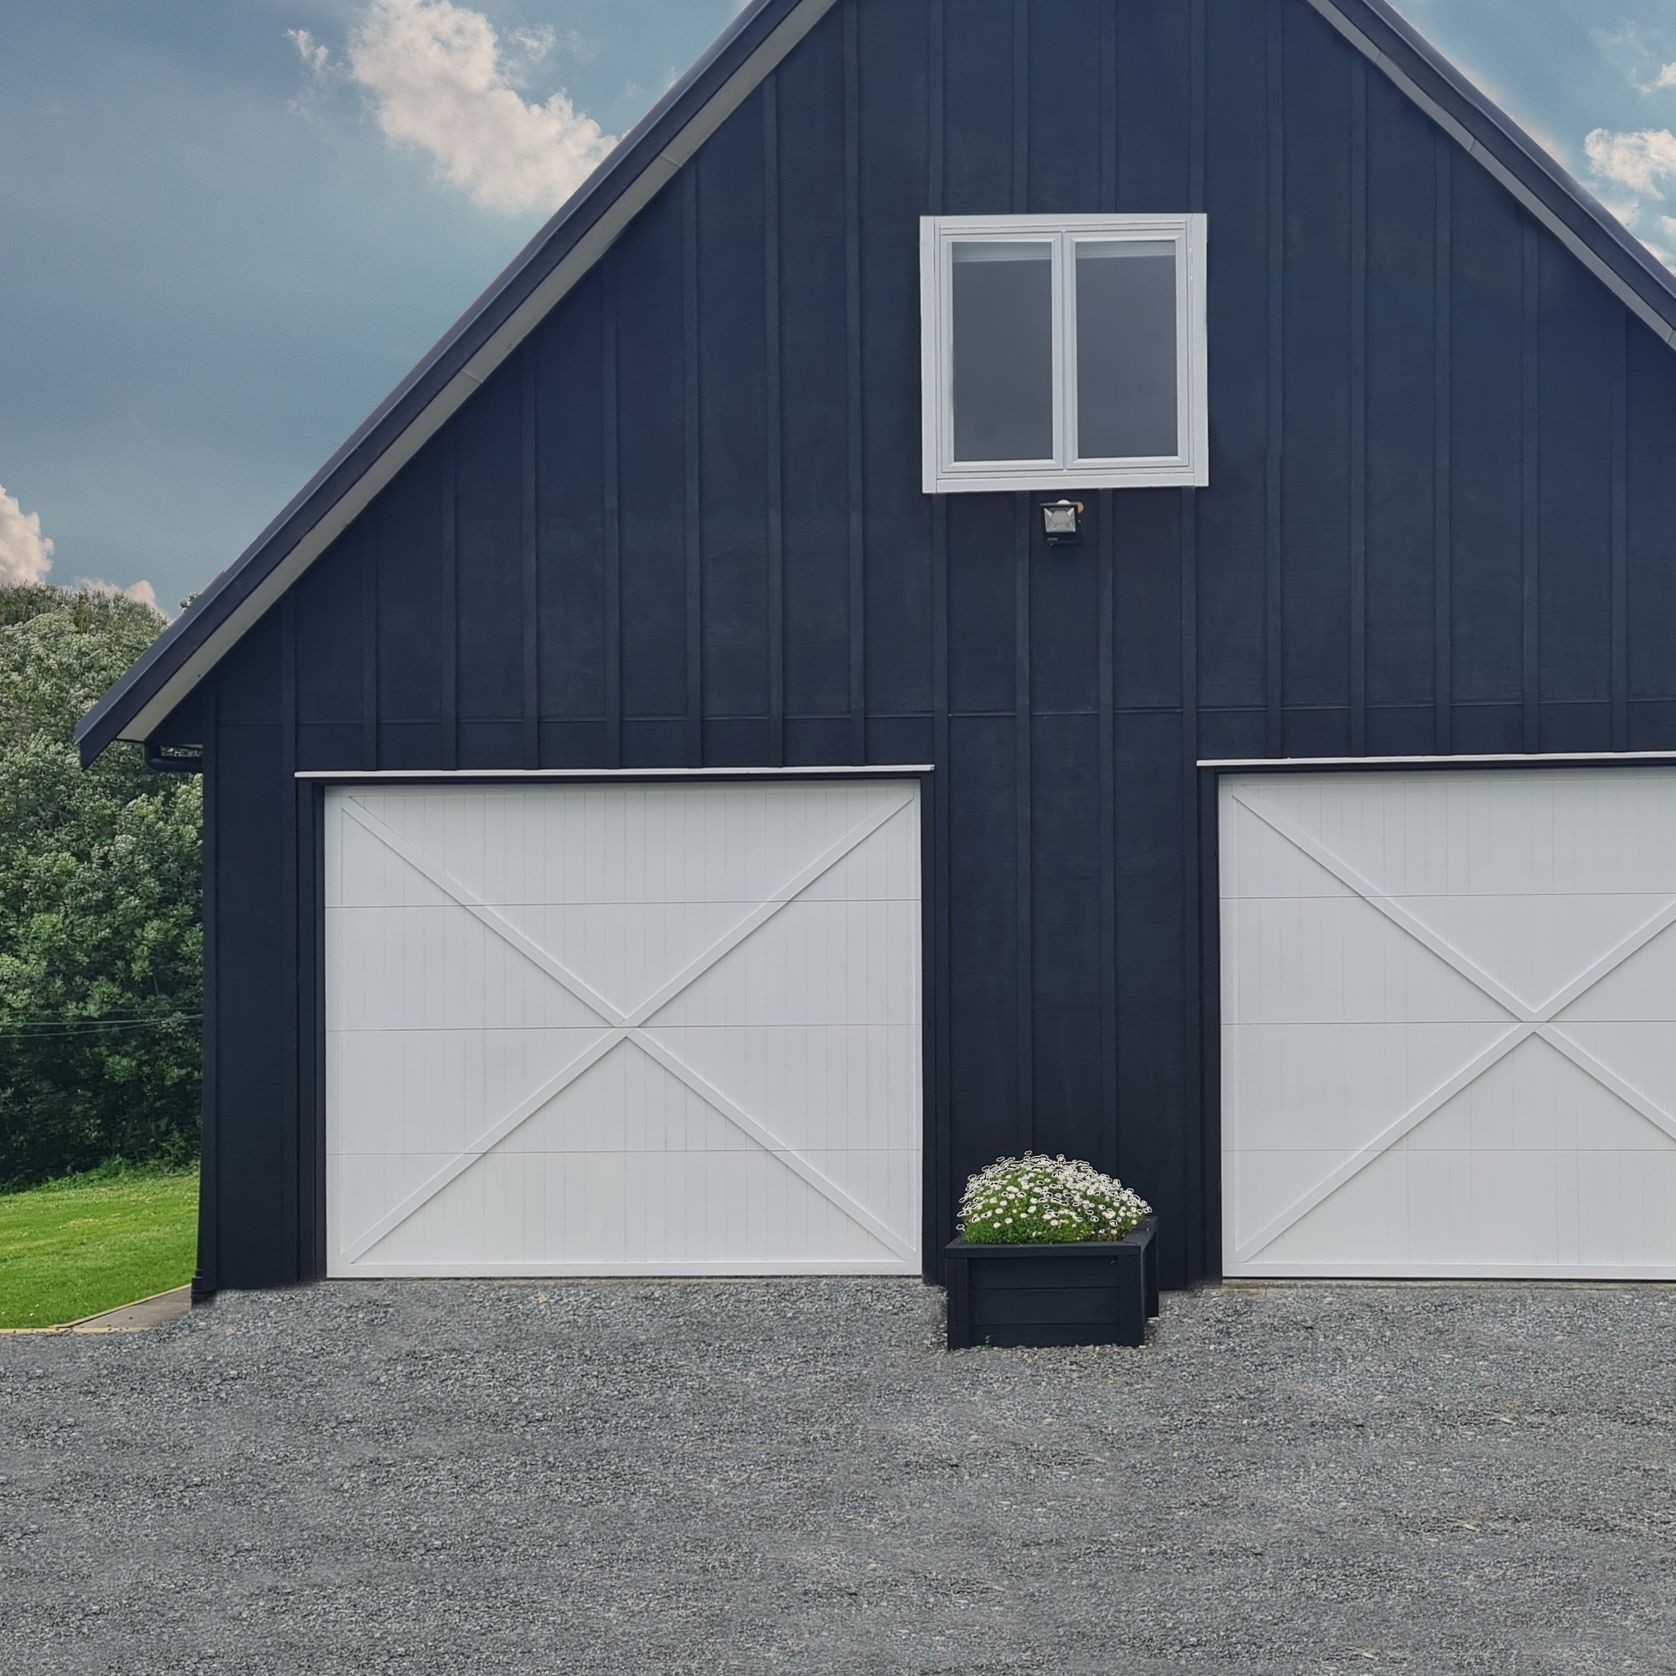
(1063, 352)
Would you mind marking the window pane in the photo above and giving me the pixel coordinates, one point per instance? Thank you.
(1003, 351)
(1126, 349)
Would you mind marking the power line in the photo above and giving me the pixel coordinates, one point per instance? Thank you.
(83, 1018)
(95, 1027)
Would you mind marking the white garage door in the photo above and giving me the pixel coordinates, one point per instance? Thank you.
(1449, 1023)
(609, 1029)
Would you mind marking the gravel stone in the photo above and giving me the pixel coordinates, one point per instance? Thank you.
(630, 1476)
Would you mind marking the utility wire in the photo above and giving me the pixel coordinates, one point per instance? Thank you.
(39, 1034)
(83, 1018)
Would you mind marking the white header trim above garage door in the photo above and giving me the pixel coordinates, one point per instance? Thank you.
(1535, 759)
(873, 771)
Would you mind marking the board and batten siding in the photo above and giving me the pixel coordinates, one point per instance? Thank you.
(683, 525)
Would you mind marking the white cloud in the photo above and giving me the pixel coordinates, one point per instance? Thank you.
(1642, 160)
(26, 557)
(579, 47)
(1637, 53)
(441, 81)
(1632, 172)
(313, 52)
(535, 42)
(322, 73)
(142, 593)
(25, 554)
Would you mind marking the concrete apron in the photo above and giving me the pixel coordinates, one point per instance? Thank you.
(126, 1318)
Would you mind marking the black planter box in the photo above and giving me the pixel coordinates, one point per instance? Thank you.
(1053, 1294)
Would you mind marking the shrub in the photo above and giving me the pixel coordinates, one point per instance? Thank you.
(101, 948)
(1037, 1200)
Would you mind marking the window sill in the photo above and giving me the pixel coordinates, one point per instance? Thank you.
(1171, 474)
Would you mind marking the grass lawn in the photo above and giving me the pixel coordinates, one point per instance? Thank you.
(89, 1243)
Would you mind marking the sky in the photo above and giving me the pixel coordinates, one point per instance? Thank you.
(228, 228)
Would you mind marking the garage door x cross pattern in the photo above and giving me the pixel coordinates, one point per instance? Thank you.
(624, 1029)
(1448, 1004)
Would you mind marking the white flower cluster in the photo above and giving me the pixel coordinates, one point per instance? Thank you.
(1037, 1200)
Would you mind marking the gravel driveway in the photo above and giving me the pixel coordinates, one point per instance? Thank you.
(622, 1476)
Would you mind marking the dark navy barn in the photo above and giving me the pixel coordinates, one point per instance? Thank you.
(682, 524)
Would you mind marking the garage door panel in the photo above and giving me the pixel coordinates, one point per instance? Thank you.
(440, 1089)
(509, 1206)
(1642, 1055)
(1439, 1206)
(1445, 1211)
(1614, 826)
(1462, 833)
(1260, 1185)
(1473, 1113)
(1342, 1086)
(1606, 1223)
(814, 1086)
(1533, 945)
(1640, 989)
(1365, 826)
(644, 1211)
(628, 949)
(1437, 836)
(885, 868)
(1504, 1151)
(1523, 1200)
(1257, 862)
(887, 1180)
(1535, 1099)
(626, 1103)
(1625, 1200)
(364, 872)
(601, 1052)
(844, 963)
(1369, 1213)
(362, 1186)
(436, 968)
(685, 843)
(754, 1205)
(1316, 960)
(1463, 1209)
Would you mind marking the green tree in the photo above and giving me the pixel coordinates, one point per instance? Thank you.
(101, 942)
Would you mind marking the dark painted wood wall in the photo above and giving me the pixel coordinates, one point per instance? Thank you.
(684, 525)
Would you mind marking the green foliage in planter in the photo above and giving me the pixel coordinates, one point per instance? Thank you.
(1037, 1200)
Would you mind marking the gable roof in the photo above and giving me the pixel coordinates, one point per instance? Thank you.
(647, 159)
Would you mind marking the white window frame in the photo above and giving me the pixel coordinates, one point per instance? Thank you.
(1189, 466)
